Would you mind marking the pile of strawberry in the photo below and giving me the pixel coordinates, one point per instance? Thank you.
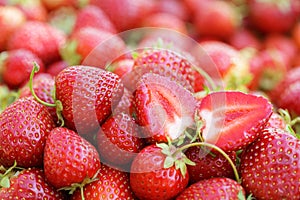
(95, 104)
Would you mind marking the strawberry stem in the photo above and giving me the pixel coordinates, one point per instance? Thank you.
(205, 144)
(58, 104)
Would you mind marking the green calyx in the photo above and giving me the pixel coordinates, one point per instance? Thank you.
(69, 53)
(81, 185)
(175, 156)
(289, 122)
(58, 104)
(8, 173)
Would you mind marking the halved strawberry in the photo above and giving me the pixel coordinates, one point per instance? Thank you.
(164, 108)
(232, 119)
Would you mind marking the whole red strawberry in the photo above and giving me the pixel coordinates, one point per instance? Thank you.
(24, 128)
(214, 188)
(125, 14)
(165, 20)
(232, 120)
(227, 62)
(87, 95)
(208, 164)
(93, 16)
(17, 66)
(119, 139)
(163, 108)
(111, 184)
(165, 63)
(93, 47)
(30, 184)
(273, 16)
(226, 18)
(286, 94)
(68, 158)
(270, 166)
(149, 179)
(9, 26)
(40, 38)
(33, 10)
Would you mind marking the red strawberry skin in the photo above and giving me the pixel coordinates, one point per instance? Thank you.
(17, 67)
(207, 165)
(270, 16)
(119, 139)
(43, 86)
(125, 14)
(9, 26)
(164, 108)
(286, 94)
(232, 119)
(70, 157)
(111, 184)
(270, 167)
(95, 47)
(150, 180)
(24, 127)
(214, 188)
(30, 184)
(40, 38)
(87, 95)
(94, 17)
(162, 62)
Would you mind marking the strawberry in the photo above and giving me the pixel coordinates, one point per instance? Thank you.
(214, 188)
(94, 17)
(273, 16)
(232, 120)
(69, 156)
(149, 179)
(165, 63)
(43, 86)
(125, 14)
(17, 65)
(11, 18)
(225, 15)
(165, 20)
(244, 38)
(285, 45)
(121, 67)
(276, 121)
(87, 95)
(119, 140)
(208, 164)
(93, 47)
(270, 167)
(227, 61)
(173, 7)
(56, 67)
(268, 68)
(45, 41)
(30, 184)
(33, 9)
(111, 184)
(286, 94)
(164, 109)
(24, 127)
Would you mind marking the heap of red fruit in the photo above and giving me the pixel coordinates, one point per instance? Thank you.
(149, 99)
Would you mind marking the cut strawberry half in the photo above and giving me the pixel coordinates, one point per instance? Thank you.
(164, 108)
(232, 120)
